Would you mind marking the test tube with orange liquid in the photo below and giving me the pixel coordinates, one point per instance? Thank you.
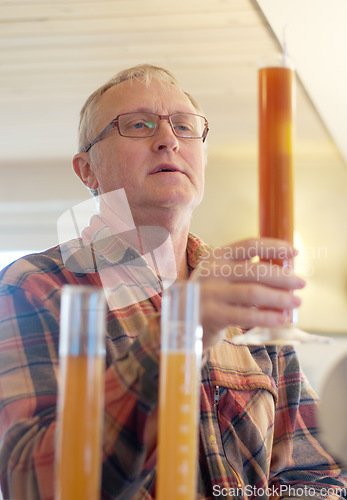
(179, 393)
(81, 394)
(275, 115)
(276, 109)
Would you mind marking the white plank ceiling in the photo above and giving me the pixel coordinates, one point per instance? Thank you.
(54, 54)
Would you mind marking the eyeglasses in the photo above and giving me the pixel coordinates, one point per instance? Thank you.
(140, 125)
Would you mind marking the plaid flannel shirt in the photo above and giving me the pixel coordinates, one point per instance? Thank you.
(258, 428)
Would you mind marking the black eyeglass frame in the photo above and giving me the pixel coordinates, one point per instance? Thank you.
(115, 124)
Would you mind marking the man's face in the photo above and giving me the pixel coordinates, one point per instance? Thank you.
(134, 164)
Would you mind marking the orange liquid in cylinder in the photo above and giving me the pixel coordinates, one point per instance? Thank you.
(275, 153)
(178, 427)
(78, 468)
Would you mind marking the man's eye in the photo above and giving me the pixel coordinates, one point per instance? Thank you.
(142, 125)
(183, 127)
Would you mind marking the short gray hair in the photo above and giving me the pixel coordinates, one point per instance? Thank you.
(141, 72)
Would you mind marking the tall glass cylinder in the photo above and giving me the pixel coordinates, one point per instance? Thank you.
(276, 101)
(81, 393)
(276, 115)
(179, 392)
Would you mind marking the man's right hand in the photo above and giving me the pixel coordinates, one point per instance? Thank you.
(237, 289)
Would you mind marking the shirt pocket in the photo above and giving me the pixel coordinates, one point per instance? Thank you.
(246, 420)
(245, 397)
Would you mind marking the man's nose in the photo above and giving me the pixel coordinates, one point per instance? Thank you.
(164, 136)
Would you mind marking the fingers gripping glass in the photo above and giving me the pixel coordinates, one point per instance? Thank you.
(141, 125)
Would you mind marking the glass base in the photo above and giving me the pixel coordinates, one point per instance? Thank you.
(284, 335)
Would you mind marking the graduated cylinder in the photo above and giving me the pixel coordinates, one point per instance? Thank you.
(81, 394)
(179, 393)
(276, 114)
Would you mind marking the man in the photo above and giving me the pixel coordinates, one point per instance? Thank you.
(141, 133)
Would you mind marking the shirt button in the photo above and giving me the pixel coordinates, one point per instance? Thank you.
(212, 439)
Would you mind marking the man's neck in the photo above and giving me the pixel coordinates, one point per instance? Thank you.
(174, 221)
(177, 224)
(180, 249)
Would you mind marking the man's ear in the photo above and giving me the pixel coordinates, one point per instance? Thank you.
(84, 170)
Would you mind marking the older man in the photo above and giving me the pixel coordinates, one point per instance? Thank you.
(141, 133)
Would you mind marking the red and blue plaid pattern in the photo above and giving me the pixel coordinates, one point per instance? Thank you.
(258, 428)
